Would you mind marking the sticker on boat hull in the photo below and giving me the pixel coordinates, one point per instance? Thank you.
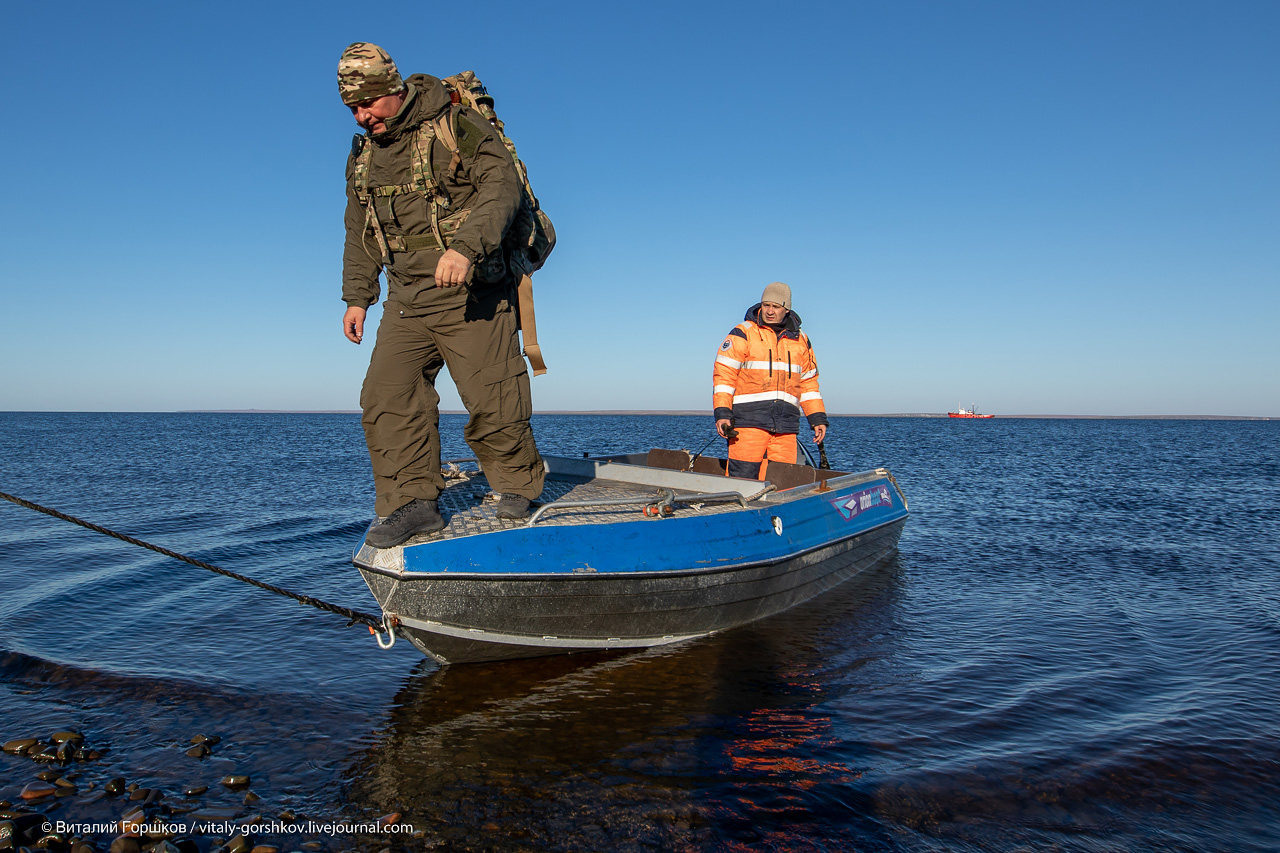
(850, 506)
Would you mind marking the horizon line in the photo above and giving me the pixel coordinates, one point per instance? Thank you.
(667, 412)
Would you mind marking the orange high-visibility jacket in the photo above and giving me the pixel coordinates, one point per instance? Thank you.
(765, 379)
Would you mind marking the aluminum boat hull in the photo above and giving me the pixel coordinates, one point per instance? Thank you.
(631, 580)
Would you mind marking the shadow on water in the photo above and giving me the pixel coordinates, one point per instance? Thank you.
(720, 743)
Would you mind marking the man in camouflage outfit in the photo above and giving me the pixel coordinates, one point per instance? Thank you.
(438, 240)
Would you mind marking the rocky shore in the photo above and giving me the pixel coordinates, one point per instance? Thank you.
(68, 795)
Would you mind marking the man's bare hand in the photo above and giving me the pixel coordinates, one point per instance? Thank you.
(452, 269)
(819, 433)
(353, 324)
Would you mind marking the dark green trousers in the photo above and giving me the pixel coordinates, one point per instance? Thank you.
(401, 418)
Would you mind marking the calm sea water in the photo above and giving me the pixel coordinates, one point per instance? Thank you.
(1076, 648)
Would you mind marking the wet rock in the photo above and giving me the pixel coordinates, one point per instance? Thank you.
(311, 845)
(82, 847)
(265, 848)
(133, 821)
(27, 824)
(48, 775)
(52, 841)
(195, 790)
(66, 751)
(207, 740)
(38, 789)
(20, 746)
(64, 782)
(92, 798)
(63, 737)
(154, 795)
(198, 751)
(288, 816)
(114, 786)
(250, 798)
(237, 844)
(186, 845)
(45, 753)
(139, 793)
(125, 844)
(389, 819)
(132, 786)
(93, 754)
(164, 846)
(7, 832)
(235, 782)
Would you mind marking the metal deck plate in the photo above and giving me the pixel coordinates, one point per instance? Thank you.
(468, 513)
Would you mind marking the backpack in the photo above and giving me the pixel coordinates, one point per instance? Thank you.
(531, 233)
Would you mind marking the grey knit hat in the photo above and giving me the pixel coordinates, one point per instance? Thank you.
(779, 293)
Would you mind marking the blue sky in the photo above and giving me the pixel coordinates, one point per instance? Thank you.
(1037, 207)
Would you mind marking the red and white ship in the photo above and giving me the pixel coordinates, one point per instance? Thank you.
(967, 413)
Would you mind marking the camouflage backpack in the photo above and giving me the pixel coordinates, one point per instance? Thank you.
(531, 232)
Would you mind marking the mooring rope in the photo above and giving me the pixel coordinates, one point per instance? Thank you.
(353, 615)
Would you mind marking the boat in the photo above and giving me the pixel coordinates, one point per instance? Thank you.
(967, 413)
(626, 552)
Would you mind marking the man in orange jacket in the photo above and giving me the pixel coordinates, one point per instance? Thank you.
(765, 375)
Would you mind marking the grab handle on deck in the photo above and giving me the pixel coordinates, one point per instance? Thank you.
(665, 497)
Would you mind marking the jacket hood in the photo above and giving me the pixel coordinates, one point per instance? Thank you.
(790, 326)
(426, 98)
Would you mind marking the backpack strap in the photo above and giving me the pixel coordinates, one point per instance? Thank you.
(529, 326)
(423, 181)
(444, 131)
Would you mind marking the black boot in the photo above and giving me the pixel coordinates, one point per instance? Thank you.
(417, 516)
(512, 506)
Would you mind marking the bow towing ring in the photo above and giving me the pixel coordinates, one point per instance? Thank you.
(390, 629)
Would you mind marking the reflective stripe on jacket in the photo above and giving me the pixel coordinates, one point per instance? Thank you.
(764, 380)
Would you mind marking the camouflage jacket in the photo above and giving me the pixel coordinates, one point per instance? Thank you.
(485, 184)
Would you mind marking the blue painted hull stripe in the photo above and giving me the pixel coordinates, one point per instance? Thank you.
(666, 573)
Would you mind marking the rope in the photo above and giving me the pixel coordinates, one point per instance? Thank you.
(353, 615)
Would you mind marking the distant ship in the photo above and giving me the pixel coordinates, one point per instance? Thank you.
(967, 413)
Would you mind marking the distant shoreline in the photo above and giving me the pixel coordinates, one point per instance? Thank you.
(680, 412)
(683, 412)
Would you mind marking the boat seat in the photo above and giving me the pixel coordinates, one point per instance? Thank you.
(671, 460)
(681, 460)
(709, 465)
(783, 475)
(788, 475)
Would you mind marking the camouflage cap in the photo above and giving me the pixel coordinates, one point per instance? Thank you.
(365, 71)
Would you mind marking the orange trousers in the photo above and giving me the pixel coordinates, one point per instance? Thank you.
(750, 452)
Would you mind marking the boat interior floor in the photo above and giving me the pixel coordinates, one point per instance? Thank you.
(469, 505)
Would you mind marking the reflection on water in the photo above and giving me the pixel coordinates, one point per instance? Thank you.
(718, 740)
